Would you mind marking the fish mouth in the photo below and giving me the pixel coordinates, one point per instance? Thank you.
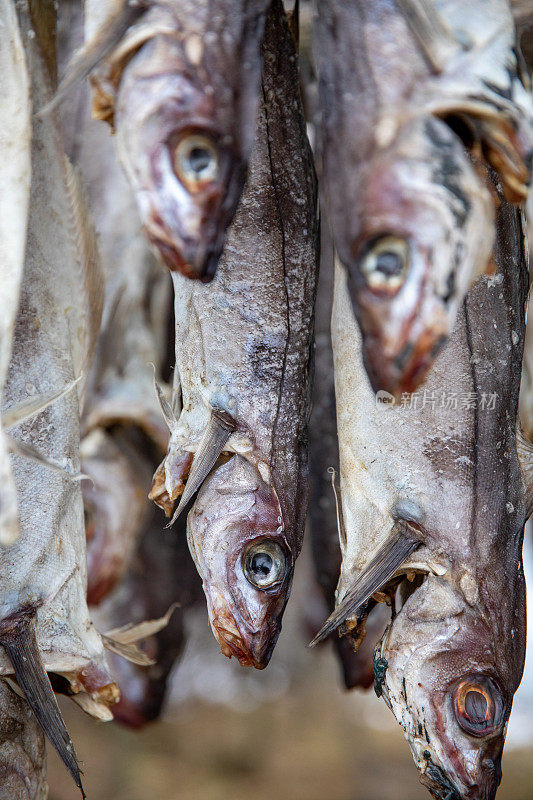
(403, 370)
(441, 787)
(190, 262)
(250, 649)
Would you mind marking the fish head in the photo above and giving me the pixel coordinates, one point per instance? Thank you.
(236, 537)
(183, 157)
(422, 233)
(449, 681)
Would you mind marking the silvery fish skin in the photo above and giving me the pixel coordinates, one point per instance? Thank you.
(22, 750)
(324, 532)
(15, 143)
(43, 576)
(453, 655)
(182, 90)
(243, 358)
(395, 128)
(139, 597)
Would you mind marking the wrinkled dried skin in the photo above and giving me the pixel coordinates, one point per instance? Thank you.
(15, 139)
(383, 146)
(139, 597)
(22, 750)
(185, 76)
(55, 328)
(451, 465)
(242, 346)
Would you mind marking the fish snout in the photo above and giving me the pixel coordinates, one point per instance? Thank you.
(251, 649)
(399, 367)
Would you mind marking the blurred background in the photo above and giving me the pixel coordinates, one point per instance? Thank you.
(291, 732)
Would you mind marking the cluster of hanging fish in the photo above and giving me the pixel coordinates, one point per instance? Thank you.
(422, 117)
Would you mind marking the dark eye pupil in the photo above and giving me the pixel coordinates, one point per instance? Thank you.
(261, 564)
(476, 707)
(389, 263)
(199, 159)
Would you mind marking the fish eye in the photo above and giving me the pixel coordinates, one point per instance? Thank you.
(264, 564)
(478, 705)
(196, 161)
(385, 263)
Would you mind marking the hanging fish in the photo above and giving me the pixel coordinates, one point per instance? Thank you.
(44, 621)
(242, 379)
(435, 495)
(15, 143)
(143, 688)
(179, 83)
(526, 387)
(416, 99)
(22, 750)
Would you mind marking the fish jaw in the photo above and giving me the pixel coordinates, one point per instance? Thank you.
(235, 511)
(435, 644)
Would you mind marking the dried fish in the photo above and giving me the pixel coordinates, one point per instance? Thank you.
(44, 621)
(22, 750)
(181, 88)
(444, 469)
(242, 359)
(15, 143)
(416, 98)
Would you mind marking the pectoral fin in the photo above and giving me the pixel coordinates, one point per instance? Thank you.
(20, 643)
(220, 427)
(524, 449)
(389, 558)
(122, 641)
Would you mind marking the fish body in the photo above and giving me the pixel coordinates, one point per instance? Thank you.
(181, 89)
(15, 143)
(243, 361)
(22, 750)
(526, 387)
(43, 576)
(445, 465)
(405, 143)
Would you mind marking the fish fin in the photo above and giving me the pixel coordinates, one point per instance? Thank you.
(130, 652)
(388, 559)
(122, 641)
(219, 428)
(436, 40)
(166, 408)
(130, 633)
(524, 449)
(338, 507)
(35, 405)
(20, 643)
(158, 493)
(89, 56)
(28, 451)
(89, 262)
